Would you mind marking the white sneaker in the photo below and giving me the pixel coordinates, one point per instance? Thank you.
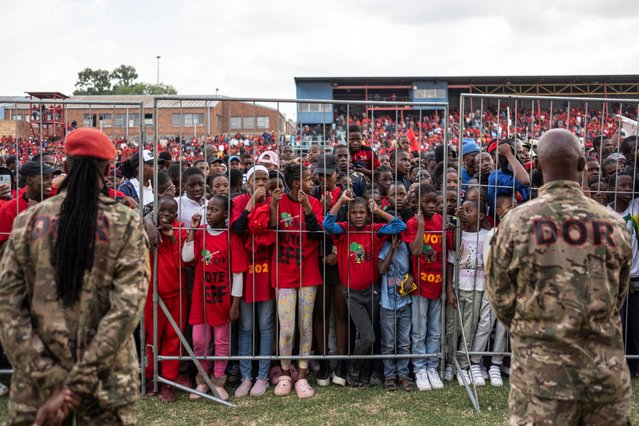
(421, 379)
(448, 373)
(495, 376)
(475, 371)
(463, 377)
(3, 389)
(433, 378)
(484, 373)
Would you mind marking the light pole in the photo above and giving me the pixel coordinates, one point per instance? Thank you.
(158, 58)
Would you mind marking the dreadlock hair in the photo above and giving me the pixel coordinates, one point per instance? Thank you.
(77, 226)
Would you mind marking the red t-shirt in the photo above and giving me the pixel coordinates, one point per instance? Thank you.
(257, 279)
(366, 156)
(8, 213)
(357, 252)
(215, 261)
(428, 267)
(291, 258)
(171, 275)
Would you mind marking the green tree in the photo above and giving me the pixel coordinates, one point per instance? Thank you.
(100, 82)
(125, 75)
(159, 89)
(93, 82)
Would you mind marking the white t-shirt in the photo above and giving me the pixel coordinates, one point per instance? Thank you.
(471, 260)
(147, 191)
(631, 216)
(187, 208)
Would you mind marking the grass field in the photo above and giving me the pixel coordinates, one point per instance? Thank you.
(333, 405)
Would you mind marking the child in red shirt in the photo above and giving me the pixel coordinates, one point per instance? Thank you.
(171, 282)
(216, 298)
(297, 217)
(358, 242)
(258, 295)
(424, 234)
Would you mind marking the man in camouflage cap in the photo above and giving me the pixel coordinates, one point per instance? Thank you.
(72, 289)
(557, 275)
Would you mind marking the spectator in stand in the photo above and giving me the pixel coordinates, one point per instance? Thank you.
(234, 163)
(286, 154)
(38, 179)
(384, 160)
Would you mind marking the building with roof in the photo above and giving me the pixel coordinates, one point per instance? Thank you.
(445, 89)
(123, 118)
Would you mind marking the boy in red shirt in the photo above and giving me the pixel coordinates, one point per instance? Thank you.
(363, 157)
(171, 282)
(358, 242)
(424, 234)
(39, 178)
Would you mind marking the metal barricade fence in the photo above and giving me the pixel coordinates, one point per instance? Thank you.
(336, 316)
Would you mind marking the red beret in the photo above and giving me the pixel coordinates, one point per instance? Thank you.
(86, 142)
(492, 147)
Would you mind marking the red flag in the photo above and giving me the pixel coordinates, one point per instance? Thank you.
(414, 145)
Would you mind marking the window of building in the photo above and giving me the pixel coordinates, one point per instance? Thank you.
(263, 122)
(175, 119)
(315, 108)
(248, 122)
(191, 120)
(88, 120)
(430, 93)
(105, 120)
(218, 122)
(127, 120)
(236, 122)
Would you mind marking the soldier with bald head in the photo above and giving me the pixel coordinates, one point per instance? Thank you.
(557, 275)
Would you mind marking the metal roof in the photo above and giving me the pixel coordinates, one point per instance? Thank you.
(514, 79)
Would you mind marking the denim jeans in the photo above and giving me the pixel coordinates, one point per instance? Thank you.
(395, 330)
(426, 333)
(266, 321)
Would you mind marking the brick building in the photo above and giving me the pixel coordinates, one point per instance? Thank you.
(175, 118)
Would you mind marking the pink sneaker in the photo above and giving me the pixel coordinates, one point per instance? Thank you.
(244, 388)
(304, 389)
(259, 388)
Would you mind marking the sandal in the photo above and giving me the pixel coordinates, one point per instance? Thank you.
(407, 384)
(284, 386)
(304, 389)
(390, 384)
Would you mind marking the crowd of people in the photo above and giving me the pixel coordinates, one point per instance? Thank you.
(349, 249)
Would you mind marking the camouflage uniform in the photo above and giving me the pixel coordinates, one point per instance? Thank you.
(557, 275)
(89, 346)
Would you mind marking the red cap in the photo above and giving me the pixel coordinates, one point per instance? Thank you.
(492, 147)
(85, 142)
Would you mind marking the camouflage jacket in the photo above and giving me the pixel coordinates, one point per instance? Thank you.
(88, 346)
(557, 275)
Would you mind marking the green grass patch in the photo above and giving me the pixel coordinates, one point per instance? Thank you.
(333, 405)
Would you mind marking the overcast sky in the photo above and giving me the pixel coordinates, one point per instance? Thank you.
(254, 48)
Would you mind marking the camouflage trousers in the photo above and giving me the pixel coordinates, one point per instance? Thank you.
(531, 410)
